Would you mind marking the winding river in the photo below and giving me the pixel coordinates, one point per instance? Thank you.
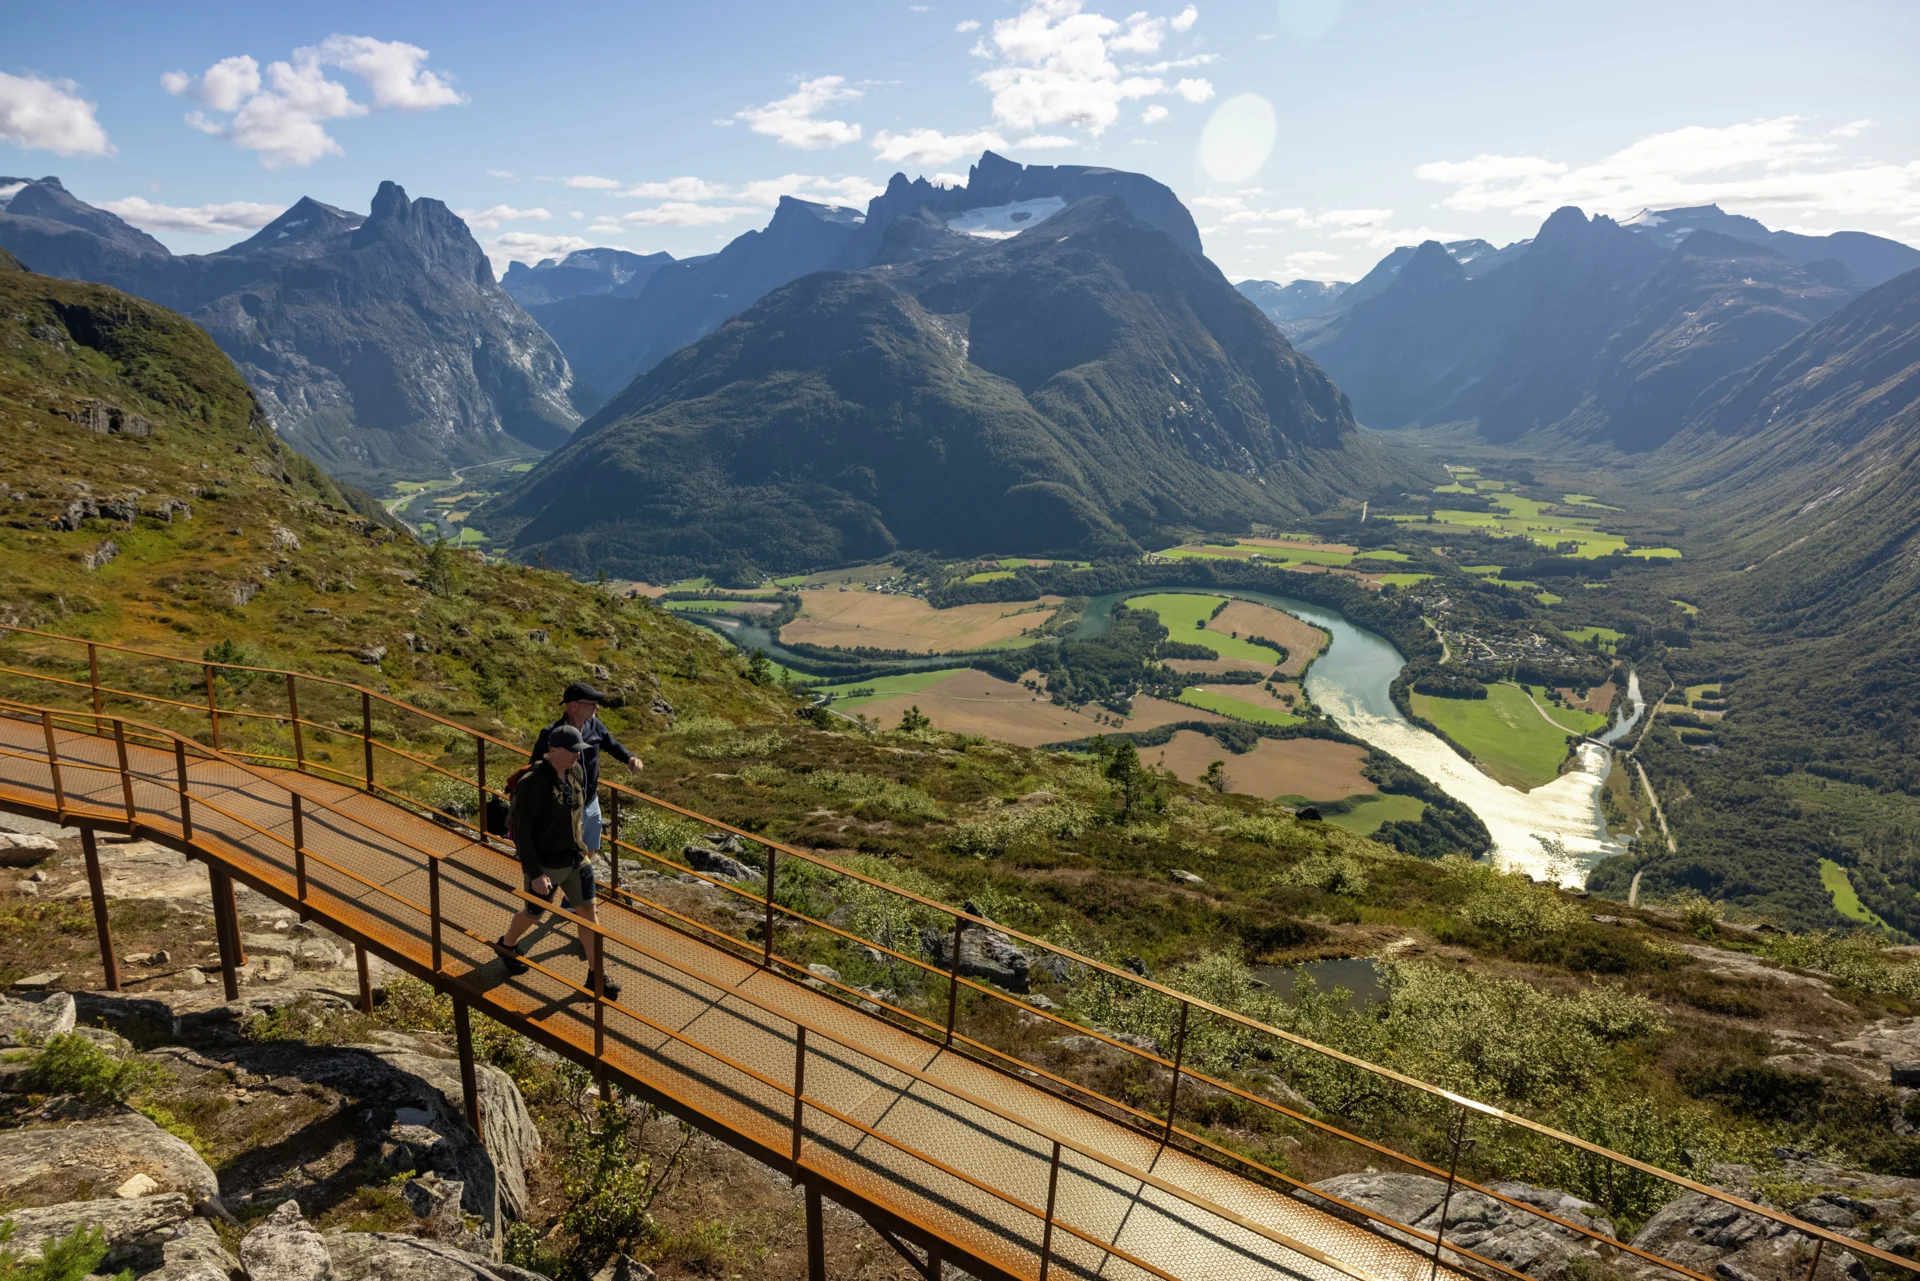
(1350, 682)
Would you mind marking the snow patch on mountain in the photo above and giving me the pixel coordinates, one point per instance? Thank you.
(997, 222)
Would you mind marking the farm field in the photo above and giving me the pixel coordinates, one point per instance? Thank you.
(1242, 703)
(1607, 636)
(1290, 553)
(1845, 901)
(1365, 818)
(1529, 518)
(1308, 767)
(885, 620)
(877, 573)
(1188, 616)
(1599, 699)
(963, 701)
(1303, 640)
(1510, 741)
(1575, 720)
(744, 608)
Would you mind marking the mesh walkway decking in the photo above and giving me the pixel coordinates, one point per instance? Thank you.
(950, 1151)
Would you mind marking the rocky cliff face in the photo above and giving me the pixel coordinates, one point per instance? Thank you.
(380, 346)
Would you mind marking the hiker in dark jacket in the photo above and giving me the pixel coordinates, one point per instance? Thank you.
(547, 805)
(580, 707)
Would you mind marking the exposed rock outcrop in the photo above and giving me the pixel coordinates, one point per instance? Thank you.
(92, 1159)
(286, 1248)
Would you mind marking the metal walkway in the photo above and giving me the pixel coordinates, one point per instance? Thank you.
(981, 1169)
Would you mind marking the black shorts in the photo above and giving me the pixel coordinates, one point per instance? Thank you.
(576, 882)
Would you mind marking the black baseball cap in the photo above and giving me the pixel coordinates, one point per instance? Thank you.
(580, 691)
(566, 738)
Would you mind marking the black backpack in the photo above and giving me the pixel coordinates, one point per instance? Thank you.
(499, 818)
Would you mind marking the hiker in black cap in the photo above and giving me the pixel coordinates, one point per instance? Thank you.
(547, 806)
(580, 706)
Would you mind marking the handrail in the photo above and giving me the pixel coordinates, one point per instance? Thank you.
(959, 916)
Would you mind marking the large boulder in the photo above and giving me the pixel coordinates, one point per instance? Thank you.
(387, 1256)
(984, 954)
(284, 1247)
(32, 1022)
(1521, 1240)
(1713, 1237)
(194, 1253)
(91, 1159)
(136, 1229)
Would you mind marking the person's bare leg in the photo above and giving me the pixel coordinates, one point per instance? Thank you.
(517, 927)
(591, 913)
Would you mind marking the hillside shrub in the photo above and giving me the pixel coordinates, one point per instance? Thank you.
(72, 1064)
(993, 835)
(1509, 906)
(72, 1258)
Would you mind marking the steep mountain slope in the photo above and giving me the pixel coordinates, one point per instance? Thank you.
(1871, 260)
(381, 346)
(613, 338)
(1591, 328)
(584, 271)
(1805, 477)
(1076, 387)
(1295, 299)
(147, 500)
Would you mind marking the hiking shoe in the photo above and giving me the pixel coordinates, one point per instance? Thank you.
(510, 957)
(609, 987)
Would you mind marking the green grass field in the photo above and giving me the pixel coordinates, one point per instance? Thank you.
(1365, 818)
(1286, 556)
(1509, 739)
(1179, 611)
(1402, 580)
(1236, 709)
(884, 687)
(1586, 500)
(1834, 877)
(1607, 636)
(1656, 553)
(1572, 719)
(1686, 607)
(988, 576)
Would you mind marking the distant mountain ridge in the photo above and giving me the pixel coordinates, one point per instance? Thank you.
(1076, 387)
(1605, 334)
(612, 337)
(381, 346)
(582, 272)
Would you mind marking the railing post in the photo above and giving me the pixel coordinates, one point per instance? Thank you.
(299, 853)
(366, 733)
(1179, 1060)
(816, 1237)
(126, 777)
(433, 907)
(799, 1089)
(180, 774)
(213, 709)
(293, 719)
(1046, 1235)
(953, 977)
(1819, 1244)
(480, 751)
(1458, 1137)
(93, 680)
(599, 979)
(102, 927)
(366, 981)
(613, 844)
(766, 952)
(53, 765)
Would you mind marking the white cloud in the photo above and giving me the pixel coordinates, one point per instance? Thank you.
(392, 70)
(1055, 65)
(488, 219)
(232, 218)
(969, 24)
(675, 189)
(1760, 164)
(1174, 64)
(791, 120)
(684, 213)
(931, 147)
(282, 114)
(500, 173)
(949, 179)
(48, 115)
(531, 247)
(1154, 114)
(593, 182)
(1042, 141)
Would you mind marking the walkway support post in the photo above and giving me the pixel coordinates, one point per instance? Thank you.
(469, 1080)
(225, 930)
(108, 961)
(816, 1237)
(366, 983)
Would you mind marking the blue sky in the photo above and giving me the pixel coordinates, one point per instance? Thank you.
(1308, 136)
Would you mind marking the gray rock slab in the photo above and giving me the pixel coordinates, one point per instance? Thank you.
(92, 1158)
(389, 1256)
(136, 1230)
(284, 1247)
(1515, 1237)
(32, 1022)
(194, 1253)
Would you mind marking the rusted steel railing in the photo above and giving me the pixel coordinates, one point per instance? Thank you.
(762, 903)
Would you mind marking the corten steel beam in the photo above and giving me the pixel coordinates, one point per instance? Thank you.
(366, 983)
(224, 932)
(102, 927)
(469, 1078)
(816, 1237)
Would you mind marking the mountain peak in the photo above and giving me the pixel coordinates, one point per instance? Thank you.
(390, 202)
(306, 222)
(1431, 265)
